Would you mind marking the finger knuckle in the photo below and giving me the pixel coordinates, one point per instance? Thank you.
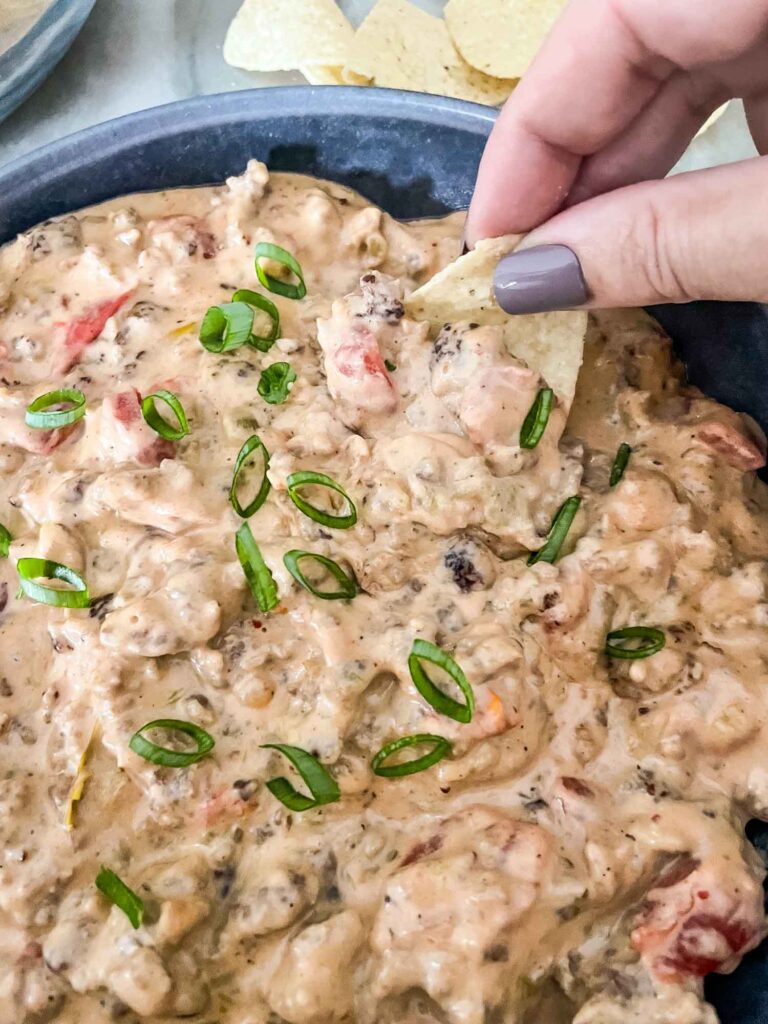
(657, 254)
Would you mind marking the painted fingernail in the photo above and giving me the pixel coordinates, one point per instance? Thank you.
(538, 280)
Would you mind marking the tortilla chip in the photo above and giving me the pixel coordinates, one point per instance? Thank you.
(283, 35)
(401, 46)
(551, 343)
(464, 289)
(321, 74)
(712, 119)
(503, 37)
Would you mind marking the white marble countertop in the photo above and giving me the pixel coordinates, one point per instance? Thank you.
(134, 54)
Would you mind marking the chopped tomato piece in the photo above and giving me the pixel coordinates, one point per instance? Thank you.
(85, 328)
(732, 445)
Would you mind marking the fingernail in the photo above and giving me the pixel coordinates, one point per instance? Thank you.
(540, 279)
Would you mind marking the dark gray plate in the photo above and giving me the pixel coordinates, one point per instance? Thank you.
(416, 156)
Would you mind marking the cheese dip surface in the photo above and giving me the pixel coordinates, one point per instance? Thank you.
(572, 849)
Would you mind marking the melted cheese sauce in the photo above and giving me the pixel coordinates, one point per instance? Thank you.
(578, 857)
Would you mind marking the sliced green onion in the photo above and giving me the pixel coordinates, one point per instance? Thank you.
(389, 365)
(30, 569)
(262, 342)
(441, 748)
(558, 531)
(161, 426)
(268, 251)
(5, 541)
(535, 423)
(226, 327)
(252, 444)
(651, 642)
(620, 463)
(347, 585)
(459, 711)
(40, 415)
(306, 477)
(150, 751)
(117, 892)
(257, 572)
(275, 383)
(319, 782)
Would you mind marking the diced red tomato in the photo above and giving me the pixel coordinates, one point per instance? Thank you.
(361, 358)
(137, 440)
(688, 929)
(732, 445)
(126, 406)
(85, 328)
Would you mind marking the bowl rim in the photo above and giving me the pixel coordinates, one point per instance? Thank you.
(170, 119)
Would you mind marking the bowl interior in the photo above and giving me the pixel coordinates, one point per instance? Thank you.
(415, 156)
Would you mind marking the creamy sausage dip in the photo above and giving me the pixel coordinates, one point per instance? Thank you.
(575, 852)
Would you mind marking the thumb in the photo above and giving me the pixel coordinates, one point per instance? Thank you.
(702, 235)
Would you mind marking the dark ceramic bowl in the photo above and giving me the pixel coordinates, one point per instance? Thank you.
(416, 156)
(29, 61)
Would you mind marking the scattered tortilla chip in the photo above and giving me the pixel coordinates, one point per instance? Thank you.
(501, 37)
(712, 119)
(283, 35)
(551, 343)
(401, 46)
(321, 74)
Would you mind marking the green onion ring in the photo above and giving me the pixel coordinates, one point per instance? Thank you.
(308, 476)
(252, 444)
(653, 641)
(442, 747)
(41, 417)
(266, 250)
(423, 650)
(535, 422)
(262, 342)
(319, 782)
(150, 751)
(260, 579)
(5, 541)
(160, 425)
(226, 327)
(558, 531)
(275, 383)
(347, 585)
(117, 892)
(620, 463)
(29, 569)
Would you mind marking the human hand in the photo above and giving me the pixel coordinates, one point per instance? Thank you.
(609, 105)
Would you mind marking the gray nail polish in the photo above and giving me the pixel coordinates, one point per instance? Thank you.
(538, 280)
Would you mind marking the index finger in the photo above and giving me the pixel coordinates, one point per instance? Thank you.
(603, 62)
